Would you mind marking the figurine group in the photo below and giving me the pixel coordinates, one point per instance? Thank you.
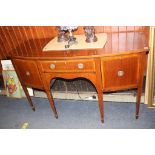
(63, 36)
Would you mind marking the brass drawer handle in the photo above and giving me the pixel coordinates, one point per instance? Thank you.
(120, 73)
(80, 65)
(27, 73)
(52, 66)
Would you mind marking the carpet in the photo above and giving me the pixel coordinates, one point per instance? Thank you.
(72, 114)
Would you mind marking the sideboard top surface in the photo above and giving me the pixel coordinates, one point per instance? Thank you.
(117, 44)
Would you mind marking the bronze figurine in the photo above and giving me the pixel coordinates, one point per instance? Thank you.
(62, 36)
(90, 34)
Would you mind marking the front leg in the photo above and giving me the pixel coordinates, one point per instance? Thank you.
(96, 82)
(139, 93)
(99, 87)
(47, 82)
(101, 105)
(50, 98)
(142, 62)
(28, 97)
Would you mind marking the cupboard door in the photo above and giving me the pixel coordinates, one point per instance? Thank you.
(28, 72)
(119, 72)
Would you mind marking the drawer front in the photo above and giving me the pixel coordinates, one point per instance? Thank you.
(81, 65)
(28, 72)
(53, 66)
(119, 72)
(86, 65)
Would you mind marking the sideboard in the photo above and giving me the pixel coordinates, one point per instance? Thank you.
(107, 69)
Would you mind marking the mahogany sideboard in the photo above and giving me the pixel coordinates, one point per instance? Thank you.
(107, 69)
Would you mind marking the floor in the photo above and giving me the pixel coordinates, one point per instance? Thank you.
(72, 115)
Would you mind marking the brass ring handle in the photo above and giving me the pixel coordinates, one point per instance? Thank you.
(27, 73)
(52, 66)
(80, 65)
(120, 73)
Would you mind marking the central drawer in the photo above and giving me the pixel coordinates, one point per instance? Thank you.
(78, 65)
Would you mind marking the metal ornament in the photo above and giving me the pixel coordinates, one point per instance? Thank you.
(90, 34)
(62, 36)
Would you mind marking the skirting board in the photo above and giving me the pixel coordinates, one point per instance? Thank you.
(113, 97)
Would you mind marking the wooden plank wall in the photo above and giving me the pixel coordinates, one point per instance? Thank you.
(21, 40)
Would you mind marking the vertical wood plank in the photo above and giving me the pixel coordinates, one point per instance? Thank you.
(114, 29)
(30, 33)
(107, 29)
(98, 29)
(28, 46)
(108, 46)
(12, 39)
(40, 33)
(130, 38)
(2, 50)
(122, 41)
(17, 41)
(130, 28)
(37, 43)
(122, 28)
(7, 45)
(21, 41)
(115, 40)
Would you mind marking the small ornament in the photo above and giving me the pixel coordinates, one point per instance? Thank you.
(90, 34)
(71, 39)
(62, 35)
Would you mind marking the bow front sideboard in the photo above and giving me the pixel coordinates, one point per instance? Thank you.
(107, 69)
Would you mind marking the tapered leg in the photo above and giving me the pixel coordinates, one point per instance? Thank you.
(100, 97)
(139, 93)
(142, 62)
(99, 87)
(50, 98)
(101, 105)
(28, 97)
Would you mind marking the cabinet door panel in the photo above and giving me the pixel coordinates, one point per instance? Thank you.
(119, 72)
(28, 72)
